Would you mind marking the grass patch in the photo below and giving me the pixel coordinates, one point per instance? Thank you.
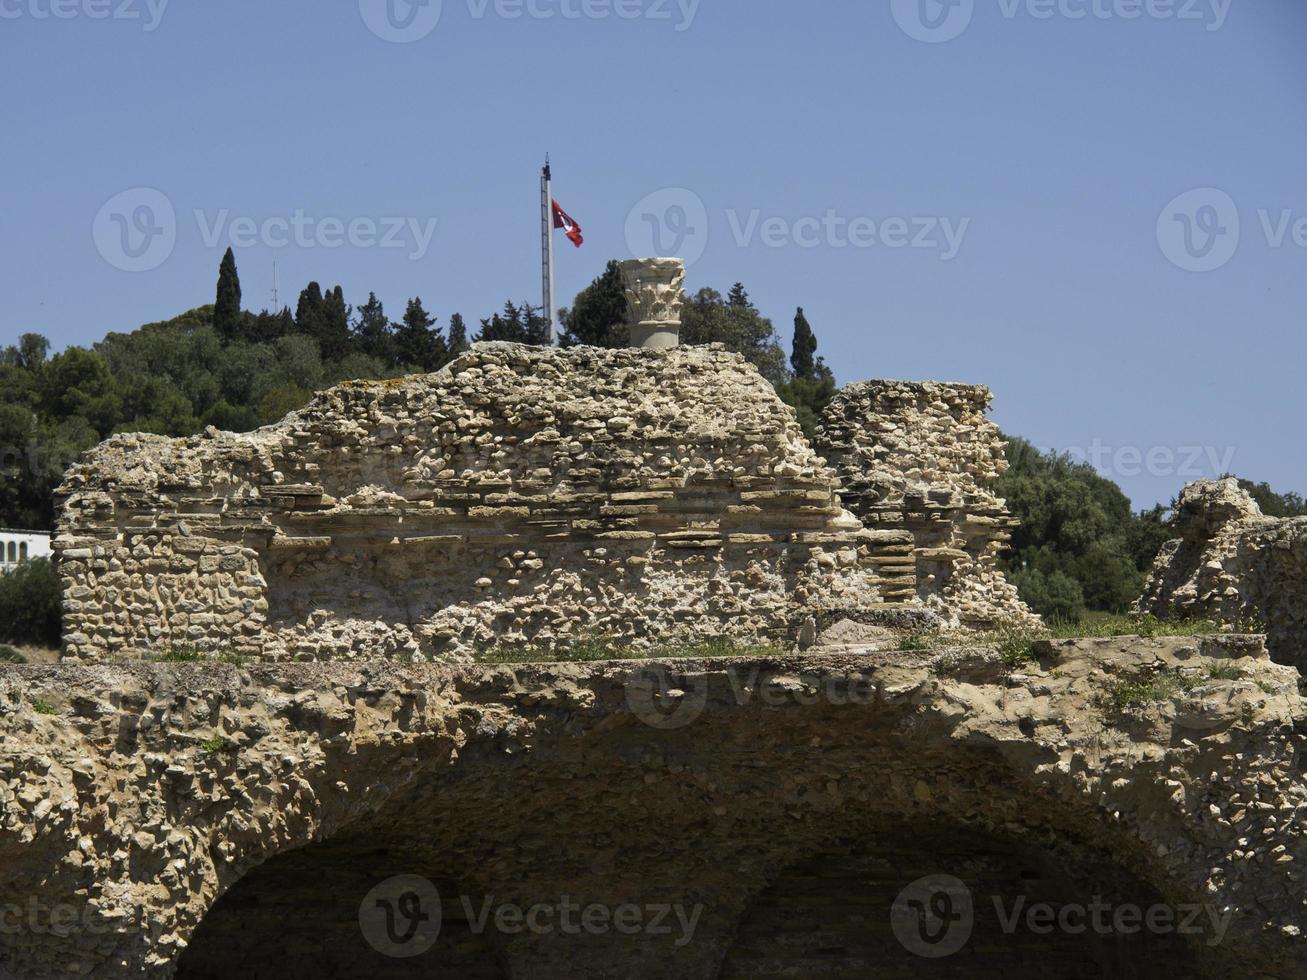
(1223, 672)
(1100, 626)
(594, 649)
(10, 655)
(180, 655)
(915, 643)
(43, 707)
(1124, 695)
(216, 744)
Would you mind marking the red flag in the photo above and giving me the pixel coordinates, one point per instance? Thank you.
(564, 220)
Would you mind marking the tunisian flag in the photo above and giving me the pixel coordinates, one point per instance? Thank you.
(564, 220)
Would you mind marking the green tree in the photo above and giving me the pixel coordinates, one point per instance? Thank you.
(417, 345)
(457, 335)
(308, 311)
(516, 324)
(707, 318)
(373, 333)
(30, 604)
(804, 348)
(598, 314)
(1274, 504)
(1073, 523)
(227, 319)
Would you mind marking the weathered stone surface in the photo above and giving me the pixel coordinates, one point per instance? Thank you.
(506, 498)
(212, 821)
(918, 456)
(1235, 565)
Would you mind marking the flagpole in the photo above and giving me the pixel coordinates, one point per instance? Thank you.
(547, 244)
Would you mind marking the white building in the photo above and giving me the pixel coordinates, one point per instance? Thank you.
(17, 546)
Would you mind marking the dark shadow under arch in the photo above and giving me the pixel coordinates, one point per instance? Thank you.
(296, 917)
(832, 915)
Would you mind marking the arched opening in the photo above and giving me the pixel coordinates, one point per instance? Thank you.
(949, 902)
(22, 551)
(297, 917)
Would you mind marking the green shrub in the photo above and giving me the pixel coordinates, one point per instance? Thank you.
(31, 605)
(8, 655)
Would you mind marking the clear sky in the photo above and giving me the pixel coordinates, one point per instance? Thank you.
(998, 191)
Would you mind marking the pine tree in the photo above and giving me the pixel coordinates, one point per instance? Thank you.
(598, 315)
(373, 331)
(416, 344)
(523, 324)
(805, 347)
(457, 335)
(227, 306)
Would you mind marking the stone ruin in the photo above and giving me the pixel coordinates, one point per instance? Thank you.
(1233, 564)
(915, 460)
(521, 494)
(543, 496)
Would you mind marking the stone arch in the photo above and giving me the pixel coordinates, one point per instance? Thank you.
(297, 917)
(1008, 909)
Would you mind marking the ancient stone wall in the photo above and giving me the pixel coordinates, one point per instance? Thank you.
(210, 820)
(915, 459)
(1232, 563)
(522, 493)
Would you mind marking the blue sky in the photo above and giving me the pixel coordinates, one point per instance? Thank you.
(1090, 205)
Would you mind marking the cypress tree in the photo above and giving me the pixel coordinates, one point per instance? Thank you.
(227, 306)
(805, 346)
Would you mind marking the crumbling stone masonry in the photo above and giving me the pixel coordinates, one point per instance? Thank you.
(915, 459)
(214, 822)
(1236, 565)
(520, 494)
